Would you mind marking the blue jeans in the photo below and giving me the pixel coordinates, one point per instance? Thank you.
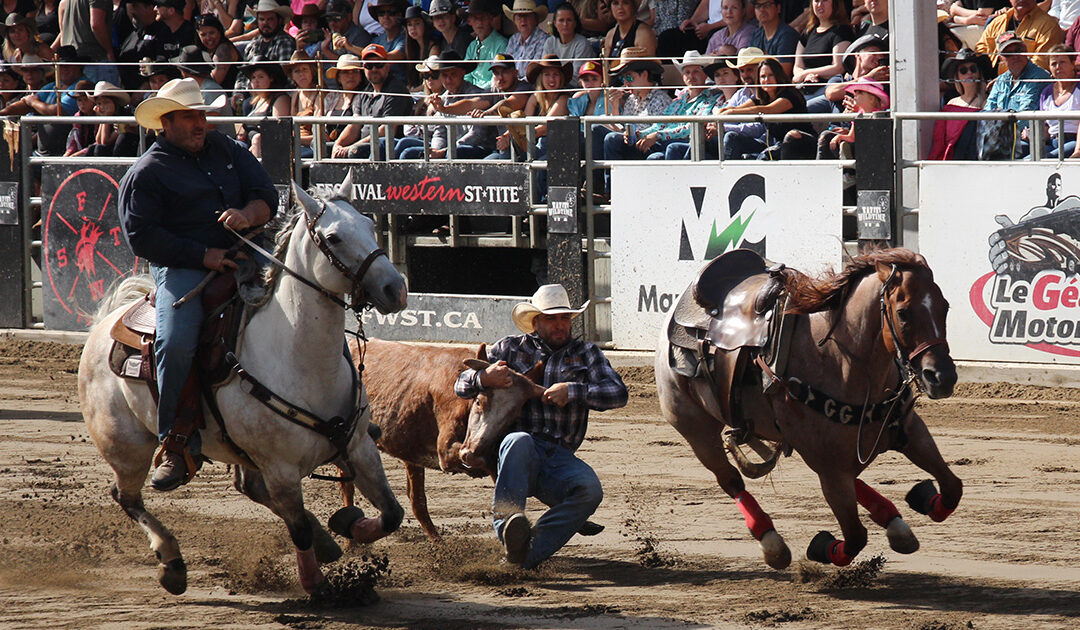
(102, 73)
(177, 338)
(534, 467)
(406, 143)
(413, 149)
(362, 151)
(737, 145)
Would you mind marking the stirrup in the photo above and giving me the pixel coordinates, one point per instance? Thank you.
(737, 435)
(175, 443)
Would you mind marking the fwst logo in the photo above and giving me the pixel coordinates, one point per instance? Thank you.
(708, 232)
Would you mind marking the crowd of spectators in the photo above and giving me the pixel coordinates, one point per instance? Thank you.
(513, 58)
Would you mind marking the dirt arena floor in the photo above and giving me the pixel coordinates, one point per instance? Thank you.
(675, 553)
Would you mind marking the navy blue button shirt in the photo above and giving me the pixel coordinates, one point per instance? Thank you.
(170, 199)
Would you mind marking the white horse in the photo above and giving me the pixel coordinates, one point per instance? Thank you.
(293, 346)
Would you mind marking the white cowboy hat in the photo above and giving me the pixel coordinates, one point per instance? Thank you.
(345, 62)
(174, 96)
(692, 58)
(104, 88)
(284, 10)
(550, 299)
(526, 6)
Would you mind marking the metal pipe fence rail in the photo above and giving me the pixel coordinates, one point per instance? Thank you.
(523, 233)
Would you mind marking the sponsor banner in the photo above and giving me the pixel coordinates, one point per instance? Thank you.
(444, 317)
(9, 203)
(1004, 243)
(83, 250)
(497, 189)
(663, 233)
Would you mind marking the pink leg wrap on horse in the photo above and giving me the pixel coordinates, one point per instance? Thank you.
(757, 520)
(881, 509)
(837, 555)
(938, 511)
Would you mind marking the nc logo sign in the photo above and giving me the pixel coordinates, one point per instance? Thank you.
(708, 231)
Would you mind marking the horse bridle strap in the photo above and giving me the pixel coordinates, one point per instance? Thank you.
(325, 292)
(355, 276)
(338, 430)
(898, 342)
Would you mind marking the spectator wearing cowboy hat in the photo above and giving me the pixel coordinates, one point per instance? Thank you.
(458, 98)
(311, 28)
(175, 203)
(384, 98)
(272, 42)
(178, 32)
(671, 141)
(84, 25)
(32, 72)
(505, 81)
(1019, 87)
(1030, 24)
(551, 77)
(20, 39)
(773, 94)
(348, 72)
(158, 72)
(727, 73)
(343, 35)
(196, 63)
(391, 14)
(968, 73)
(869, 96)
(638, 96)
(488, 41)
(52, 137)
(112, 139)
(455, 37)
(537, 458)
(420, 43)
(527, 44)
(267, 98)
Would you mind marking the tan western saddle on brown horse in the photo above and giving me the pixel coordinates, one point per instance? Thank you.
(732, 314)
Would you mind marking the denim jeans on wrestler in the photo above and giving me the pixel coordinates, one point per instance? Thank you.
(177, 337)
(534, 467)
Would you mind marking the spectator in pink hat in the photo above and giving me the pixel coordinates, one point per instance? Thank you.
(869, 97)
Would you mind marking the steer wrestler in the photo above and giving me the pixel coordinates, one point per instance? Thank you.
(537, 458)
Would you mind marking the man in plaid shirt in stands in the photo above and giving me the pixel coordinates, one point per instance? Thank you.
(537, 458)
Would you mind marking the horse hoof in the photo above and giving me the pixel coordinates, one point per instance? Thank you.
(172, 576)
(341, 522)
(901, 538)
(918, 498)
(777, 554)
(818, 551)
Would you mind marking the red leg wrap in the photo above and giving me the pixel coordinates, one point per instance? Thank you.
(837, 555)
(757, 520)
(938, 511)
(881, 509)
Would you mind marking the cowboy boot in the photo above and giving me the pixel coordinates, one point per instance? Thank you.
(171, 472)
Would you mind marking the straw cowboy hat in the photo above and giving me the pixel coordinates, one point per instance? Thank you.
(525, 6)
(428, 65)
(692, 58)
(532, 72)
(345, 62)
(270, 6)
(635, 58)
(104, 88)
(550, 299)
(176, 95)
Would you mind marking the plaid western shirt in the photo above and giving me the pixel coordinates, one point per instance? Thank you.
(594, 384)
(280, 47)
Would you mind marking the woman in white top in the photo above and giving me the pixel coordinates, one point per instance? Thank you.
(1062, 95)
(568, 42)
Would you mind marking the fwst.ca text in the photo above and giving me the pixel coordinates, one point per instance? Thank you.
(651, 301)
(423, 318)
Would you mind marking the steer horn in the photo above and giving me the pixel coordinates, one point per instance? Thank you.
(753, 470)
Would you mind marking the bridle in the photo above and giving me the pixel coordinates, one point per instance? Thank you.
(355, 277)
(888, 309)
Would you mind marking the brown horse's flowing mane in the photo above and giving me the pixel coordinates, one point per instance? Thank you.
(830, 291)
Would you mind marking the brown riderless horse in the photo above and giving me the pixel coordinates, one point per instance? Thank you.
(862, 343)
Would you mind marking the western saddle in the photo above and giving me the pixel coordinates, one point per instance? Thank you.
(730, 315)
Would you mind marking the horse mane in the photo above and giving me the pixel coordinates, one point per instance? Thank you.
(829, 291)
(282, 236)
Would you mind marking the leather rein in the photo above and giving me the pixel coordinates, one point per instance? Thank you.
(339, 429)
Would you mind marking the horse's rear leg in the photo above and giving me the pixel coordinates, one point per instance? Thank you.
(127, 491)
(839, 491)
(370, 480)
(923, 452)
(884, 513)
(414, 476)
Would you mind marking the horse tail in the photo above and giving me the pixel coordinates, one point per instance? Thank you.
(127, 291)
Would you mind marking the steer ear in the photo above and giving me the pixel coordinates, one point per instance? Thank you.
(481, 352)
(475, 364)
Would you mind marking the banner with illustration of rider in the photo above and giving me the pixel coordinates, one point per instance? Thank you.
(664, 228)
(1004, 243)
